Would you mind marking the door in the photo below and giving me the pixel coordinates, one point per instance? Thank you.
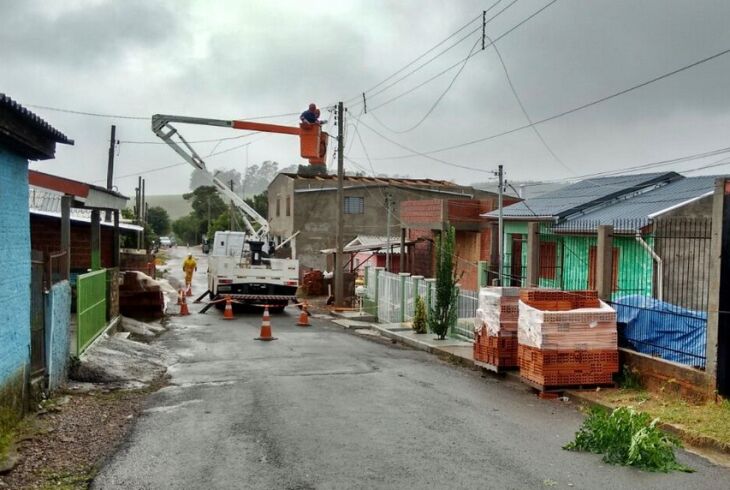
(37, 316)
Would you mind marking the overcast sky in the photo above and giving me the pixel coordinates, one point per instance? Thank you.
(236, 59)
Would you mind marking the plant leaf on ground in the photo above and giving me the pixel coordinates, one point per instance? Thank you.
(627, 437)
(708, 419)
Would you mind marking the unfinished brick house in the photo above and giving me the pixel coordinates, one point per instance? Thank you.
(423, 221)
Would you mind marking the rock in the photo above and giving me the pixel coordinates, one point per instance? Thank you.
(10, 461)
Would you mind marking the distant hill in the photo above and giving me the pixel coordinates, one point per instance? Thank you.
(174, 204)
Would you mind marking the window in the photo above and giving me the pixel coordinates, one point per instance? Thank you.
(278, 207)
(288, 205)
(548, 260)
(593, 267)
(354, 205)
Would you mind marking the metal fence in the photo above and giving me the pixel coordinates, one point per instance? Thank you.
(467, 304)
(90, 309)
(389, 297)
(57, 267)
(659, 279)
(661, 284)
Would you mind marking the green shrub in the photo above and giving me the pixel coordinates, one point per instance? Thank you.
(420, 319)
(443, 314)
(627, 437)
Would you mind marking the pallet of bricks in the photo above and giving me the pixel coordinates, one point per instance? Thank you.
(495, 328)
(566, 339)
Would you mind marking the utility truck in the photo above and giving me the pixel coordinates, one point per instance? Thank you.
(241, 264)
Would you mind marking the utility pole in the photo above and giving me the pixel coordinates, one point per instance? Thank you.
(110, 165)
(500, 173)
(338, 273)
(208, 234)
(387, 231)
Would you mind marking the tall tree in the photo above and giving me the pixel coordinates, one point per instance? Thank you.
(158, 220)
(444, 312)
(260, 202)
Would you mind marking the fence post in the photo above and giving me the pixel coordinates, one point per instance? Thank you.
(402, 280)
(604, 262)
(378, 270)
(715, 319)
(367, 270)
(483, 270)
(533, 254)
(429, 296)
(416, 283)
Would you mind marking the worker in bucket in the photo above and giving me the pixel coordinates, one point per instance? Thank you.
(311, 115)
(189, 266)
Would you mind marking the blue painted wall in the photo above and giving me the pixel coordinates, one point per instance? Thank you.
(15, 278)
(58, 327)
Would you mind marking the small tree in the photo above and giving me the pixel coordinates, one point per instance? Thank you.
(420, 319)
(443, 314)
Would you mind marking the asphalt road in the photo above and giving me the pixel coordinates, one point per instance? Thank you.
(324, 408)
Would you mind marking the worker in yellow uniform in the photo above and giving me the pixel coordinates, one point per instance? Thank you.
(189, 266)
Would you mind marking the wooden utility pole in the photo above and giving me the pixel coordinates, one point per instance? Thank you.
(338, 272)
(387, 232)
(110, 164)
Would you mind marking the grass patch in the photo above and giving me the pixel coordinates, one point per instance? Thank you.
(627, 437)
(67, 479)
(708, 419)
(10, 428)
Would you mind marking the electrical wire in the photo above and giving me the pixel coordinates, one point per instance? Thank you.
(417, 58)
(436, 102)
(572, 110)
(524, 109)
(451, 164)
(443, 72)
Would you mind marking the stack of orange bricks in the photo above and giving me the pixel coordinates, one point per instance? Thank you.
(495, 336)
(566, 338)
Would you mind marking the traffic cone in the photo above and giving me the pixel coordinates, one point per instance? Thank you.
(189, 291)
(265, 327)
(183, 305)
(304, 318)
(228, 312)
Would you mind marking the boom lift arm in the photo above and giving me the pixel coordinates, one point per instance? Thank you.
(313, 145)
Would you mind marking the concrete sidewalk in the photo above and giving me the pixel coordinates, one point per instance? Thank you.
(427, 341)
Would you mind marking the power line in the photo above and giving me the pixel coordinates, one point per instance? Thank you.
(418, 58)
(524, 109)
(441, 73)
(436, 102)
(451, 164)
(576, 109)
(214, 140)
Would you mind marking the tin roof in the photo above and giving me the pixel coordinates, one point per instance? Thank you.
(34, 120)
(583, 195)
(640, 209)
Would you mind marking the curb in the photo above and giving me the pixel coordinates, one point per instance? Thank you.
(698, 442)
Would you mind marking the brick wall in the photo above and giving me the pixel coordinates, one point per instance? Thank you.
(15, 279)
(425, 211)
(423, 259)
(46, 237)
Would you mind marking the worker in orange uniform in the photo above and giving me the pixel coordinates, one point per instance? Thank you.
(189, 266)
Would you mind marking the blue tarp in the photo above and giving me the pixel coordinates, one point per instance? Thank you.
(662, 329)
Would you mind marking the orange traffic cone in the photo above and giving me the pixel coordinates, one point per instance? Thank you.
(183, 305)
(304, 318)
(228, 312)
(265, 327)
(189, 291)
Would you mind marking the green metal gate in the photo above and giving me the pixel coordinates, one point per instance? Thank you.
(90, 308)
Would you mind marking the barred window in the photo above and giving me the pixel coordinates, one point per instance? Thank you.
(354, 205)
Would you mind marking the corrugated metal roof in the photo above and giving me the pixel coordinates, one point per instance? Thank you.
(638, 209)
(34, 120)
(48, 203)
(583, 195)
(374, 180)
